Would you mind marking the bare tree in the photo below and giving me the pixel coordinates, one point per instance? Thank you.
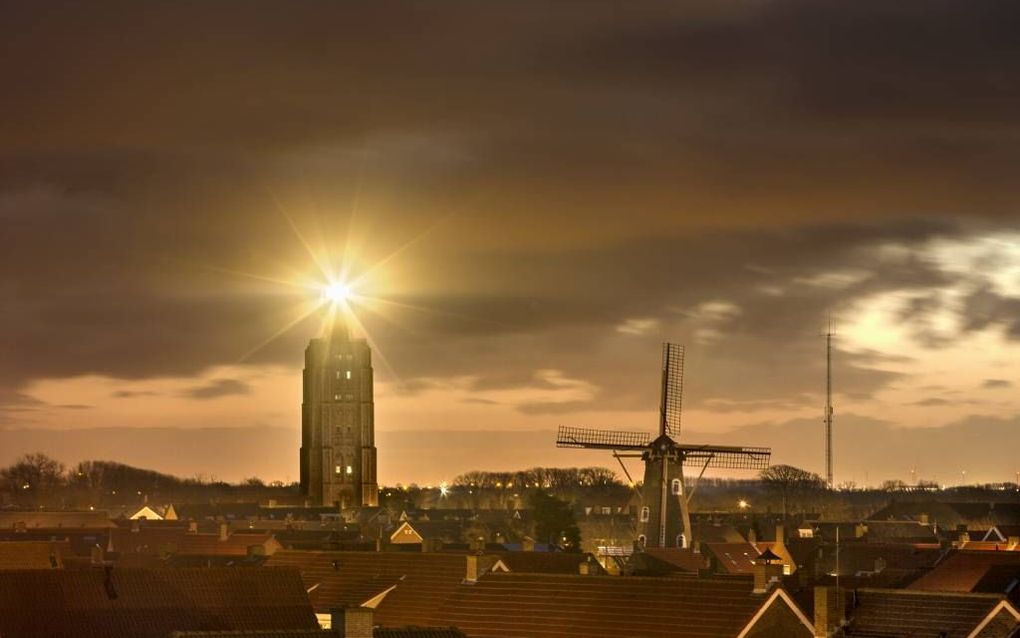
(787, 480)
(33, 479)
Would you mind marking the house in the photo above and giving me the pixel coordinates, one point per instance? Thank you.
(401, 586)
(505, 605)
(951, 515)
(149, 603)
(428, 535)
(163, 540)
(483, 597)
(33, 554)
(145, 512)
(42, 519)
(897, 613)
(969, 571)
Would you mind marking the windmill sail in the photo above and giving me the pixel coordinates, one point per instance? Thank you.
(672, 388)
(727, 457)
(601, 439)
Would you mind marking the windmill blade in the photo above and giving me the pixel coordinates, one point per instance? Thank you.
(601, 439)
(672, 388)
(726, 457)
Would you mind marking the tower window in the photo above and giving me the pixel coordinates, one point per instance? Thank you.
(676, 487)
(644, 514)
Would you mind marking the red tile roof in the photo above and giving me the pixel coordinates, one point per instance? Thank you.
(512, 605)
(895, 613)
(683, 559)
(144, 603)
(33, 554)
(733, 558)
(177, 540)
(339, 579)
(46, 519)
(548, 562)
(961, 571)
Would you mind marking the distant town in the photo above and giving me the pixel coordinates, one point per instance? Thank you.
(778, 553)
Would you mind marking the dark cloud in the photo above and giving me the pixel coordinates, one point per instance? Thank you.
(582, 167)
(217, 388)
(131, 394)
(997, 383)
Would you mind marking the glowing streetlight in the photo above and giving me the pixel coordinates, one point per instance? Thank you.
(742, 504)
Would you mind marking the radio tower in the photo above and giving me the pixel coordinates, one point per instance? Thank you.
(828, 406)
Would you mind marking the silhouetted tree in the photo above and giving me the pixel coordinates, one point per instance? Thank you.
(787, 480)
(554, 521)
(34, 479)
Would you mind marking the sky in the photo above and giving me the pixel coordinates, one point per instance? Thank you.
(532, 196)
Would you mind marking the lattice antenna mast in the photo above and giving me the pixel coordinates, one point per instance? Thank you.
(828, 405)
(671, 408)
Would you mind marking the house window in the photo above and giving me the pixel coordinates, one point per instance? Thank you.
(336, 397)
(681, 540)
(337, 374)
(642, 539)
(337, 469)
(607, 510)
(348, 374)
(676, 487)
(350, 470)
(644, 514)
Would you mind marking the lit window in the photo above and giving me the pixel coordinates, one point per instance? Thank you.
(337, 469)
(336, 397)
(676, 487)
(642, 539)
(348, 374)
(644, 514)
(350, 470)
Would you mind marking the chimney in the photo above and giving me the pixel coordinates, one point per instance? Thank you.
(781, 535)
(352, 622)
(765, 575)
(829, 611)
(528, 544)
(97, 555)
(224, 531)
(471, 575)
(111, 591)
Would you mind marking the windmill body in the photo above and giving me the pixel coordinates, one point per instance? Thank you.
(665, 514)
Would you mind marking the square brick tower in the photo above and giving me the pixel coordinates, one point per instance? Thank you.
(338, 454)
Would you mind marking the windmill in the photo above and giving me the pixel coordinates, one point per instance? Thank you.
(665, 516)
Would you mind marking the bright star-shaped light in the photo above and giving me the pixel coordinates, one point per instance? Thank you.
(336, 293)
